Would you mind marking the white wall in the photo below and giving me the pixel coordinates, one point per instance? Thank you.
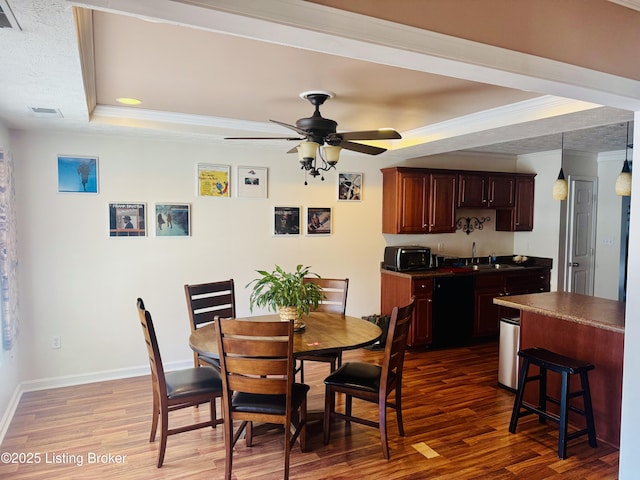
(10, 371)
(608, 241)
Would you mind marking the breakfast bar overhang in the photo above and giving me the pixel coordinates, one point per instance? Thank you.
(583, 327)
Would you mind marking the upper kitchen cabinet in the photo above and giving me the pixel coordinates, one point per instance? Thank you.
(520, 217)
(486, 190)
(418, 200)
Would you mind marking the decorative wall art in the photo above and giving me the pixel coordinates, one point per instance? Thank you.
(286, 221)
(319, 221)
(173, 219)
(349, 186)
(77, 174)
(127, 220)
(252, 182)
(213, 180)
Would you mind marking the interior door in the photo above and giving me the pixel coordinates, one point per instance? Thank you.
(581, 235)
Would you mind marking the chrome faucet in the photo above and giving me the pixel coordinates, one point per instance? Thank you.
(473, 253)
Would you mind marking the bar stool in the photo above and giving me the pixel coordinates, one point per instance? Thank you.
(565, 366)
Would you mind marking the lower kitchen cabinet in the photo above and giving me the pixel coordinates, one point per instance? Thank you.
(397, 289)
(488, 286)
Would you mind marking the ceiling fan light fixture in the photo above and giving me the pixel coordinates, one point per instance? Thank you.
(331, 154)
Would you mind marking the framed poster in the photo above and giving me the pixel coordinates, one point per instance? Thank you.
(213, 180)
(77, 174)
(127, 220)
(349, 186)
(286, 221)
(173, 219)
(252, 182)
(318, 221)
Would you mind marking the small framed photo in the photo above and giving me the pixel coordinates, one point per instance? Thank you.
(319, 221)
(252, 182)
(213, 180)
(127, 220)
(77, 174)
(286, 221)
(349, 186)
(173, 219)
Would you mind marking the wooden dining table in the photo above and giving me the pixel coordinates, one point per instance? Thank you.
(323, 333)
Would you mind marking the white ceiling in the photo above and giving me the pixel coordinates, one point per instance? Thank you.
(213, 68)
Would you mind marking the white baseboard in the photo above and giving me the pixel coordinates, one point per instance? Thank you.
(70, 380)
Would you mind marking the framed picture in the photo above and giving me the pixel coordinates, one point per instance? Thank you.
(349, 186)
(286, 221)
(127, 220)
(77, 174)
(319, 221)
(252, 182)
(213, 180)
(173, 219)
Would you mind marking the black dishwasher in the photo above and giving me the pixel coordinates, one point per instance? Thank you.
(452, 311)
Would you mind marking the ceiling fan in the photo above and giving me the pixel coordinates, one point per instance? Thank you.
(319, 137)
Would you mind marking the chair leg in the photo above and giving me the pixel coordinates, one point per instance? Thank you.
(348, 404)
(228, 447)
(164, 433)
(399, 410)
(154, 417)
(517, 403)
(303, 430)
(382, 425)
(543, 394)
(588, 409)
(564, 416)
(301, 371)
(249, 434)
(329, 408)
(287, 449)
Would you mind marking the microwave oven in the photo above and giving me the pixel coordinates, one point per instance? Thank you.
(407, 258)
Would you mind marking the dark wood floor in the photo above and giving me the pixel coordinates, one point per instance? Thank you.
(456, 421)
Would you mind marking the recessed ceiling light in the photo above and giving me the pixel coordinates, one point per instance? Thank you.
(129, 101)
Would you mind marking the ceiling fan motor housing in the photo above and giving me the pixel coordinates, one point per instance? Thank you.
(317, 126)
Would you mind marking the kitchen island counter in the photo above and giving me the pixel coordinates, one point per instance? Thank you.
(586, 328)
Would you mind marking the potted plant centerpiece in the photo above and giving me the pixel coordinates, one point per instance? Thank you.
(286, 293)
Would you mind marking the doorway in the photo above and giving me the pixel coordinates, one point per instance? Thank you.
(581, 235)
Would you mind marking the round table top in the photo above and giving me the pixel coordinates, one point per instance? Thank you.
(324, 332)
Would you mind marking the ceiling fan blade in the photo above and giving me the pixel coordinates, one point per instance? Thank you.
(263, 138)
(382, 134)
(359, 147)
(292, 127)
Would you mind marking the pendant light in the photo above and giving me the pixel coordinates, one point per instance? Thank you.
(623, 182)
(560, 186)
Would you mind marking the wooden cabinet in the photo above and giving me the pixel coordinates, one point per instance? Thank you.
(519, 218)
(442, 206)
(486, 190)
(418, 201)
(487, 315)
(397, 289)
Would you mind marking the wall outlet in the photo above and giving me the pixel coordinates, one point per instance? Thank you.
(56, 342)
(440, 247)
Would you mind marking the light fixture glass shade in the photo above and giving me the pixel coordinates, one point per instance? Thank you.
(560, 187)
(623, 182)
(332, 154)
(307, 150)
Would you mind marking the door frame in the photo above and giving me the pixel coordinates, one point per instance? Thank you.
(571, 179)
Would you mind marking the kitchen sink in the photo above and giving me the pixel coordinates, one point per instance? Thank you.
(487, 266)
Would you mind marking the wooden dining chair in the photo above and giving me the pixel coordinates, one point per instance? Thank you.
(176, 389)
(205, 303)
(334, 301)
(256, 360)
(372, 383)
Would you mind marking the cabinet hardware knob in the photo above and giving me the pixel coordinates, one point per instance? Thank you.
(574, 264)
(429, 300)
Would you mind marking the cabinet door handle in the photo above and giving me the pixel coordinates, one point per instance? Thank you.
(429, 300)
(574, 264)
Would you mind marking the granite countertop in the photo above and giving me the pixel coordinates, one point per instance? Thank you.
(573, 307)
